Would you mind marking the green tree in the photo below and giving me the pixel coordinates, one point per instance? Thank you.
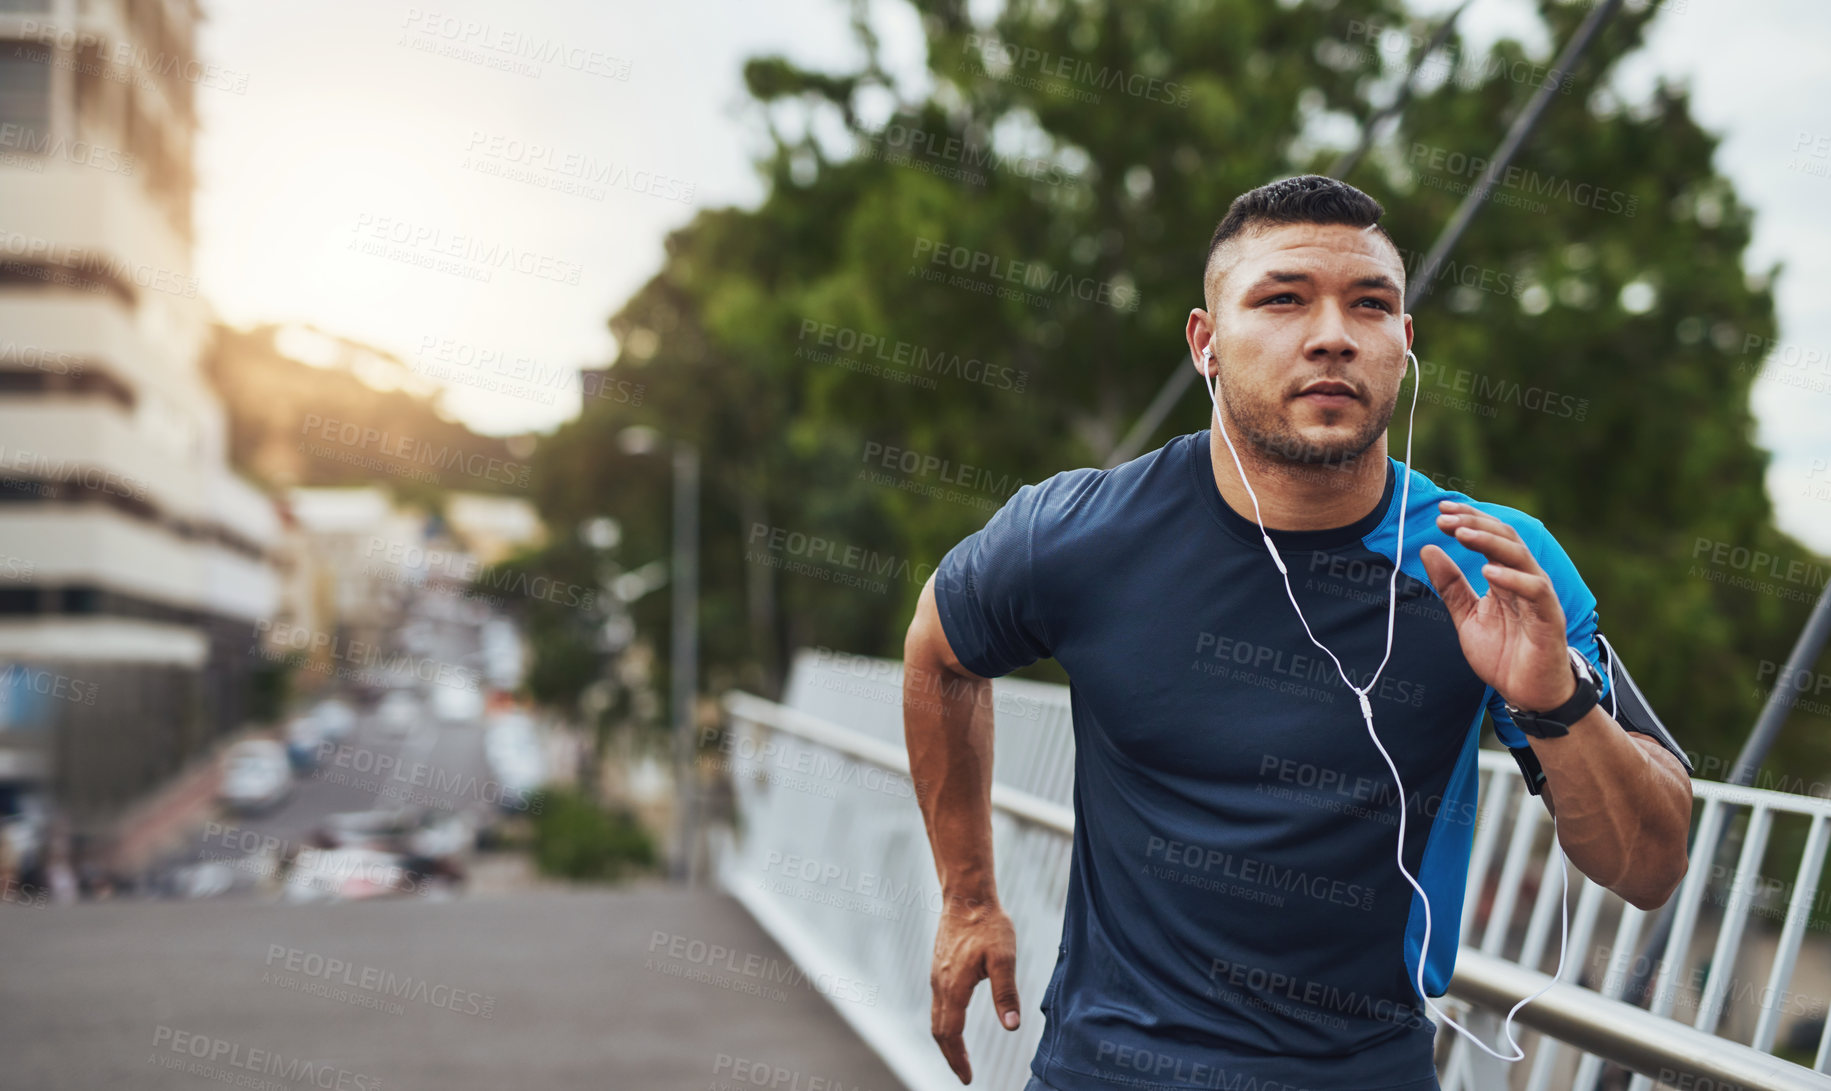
(1584, 347)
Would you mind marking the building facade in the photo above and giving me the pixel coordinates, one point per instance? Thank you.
(134, 564)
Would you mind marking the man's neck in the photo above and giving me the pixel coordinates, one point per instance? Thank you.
(1299, 497)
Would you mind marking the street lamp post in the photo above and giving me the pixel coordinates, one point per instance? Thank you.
(683, 666)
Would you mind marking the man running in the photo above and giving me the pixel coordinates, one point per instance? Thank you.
(1236, 914)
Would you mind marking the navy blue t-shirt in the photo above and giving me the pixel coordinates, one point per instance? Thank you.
(1236, 917)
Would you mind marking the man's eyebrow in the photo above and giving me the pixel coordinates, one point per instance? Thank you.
(1276, 277)
(1279, 277)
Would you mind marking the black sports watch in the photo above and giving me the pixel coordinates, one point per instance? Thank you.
(1557, 722)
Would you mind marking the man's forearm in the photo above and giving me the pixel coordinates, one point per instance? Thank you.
(947, 726)
(1623, 806)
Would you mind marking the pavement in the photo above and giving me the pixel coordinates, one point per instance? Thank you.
(646, 988)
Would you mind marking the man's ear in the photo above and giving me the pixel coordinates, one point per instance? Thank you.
(1199, 331)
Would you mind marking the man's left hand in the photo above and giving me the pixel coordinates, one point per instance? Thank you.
(1513, 637)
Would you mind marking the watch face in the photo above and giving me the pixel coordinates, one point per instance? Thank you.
(1585, 669)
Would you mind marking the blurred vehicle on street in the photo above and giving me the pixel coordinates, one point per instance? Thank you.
(456, 704)
(335, 719)
(306, 743)
(354, 874)
(399, 712)
(516, 758)
(256, 776)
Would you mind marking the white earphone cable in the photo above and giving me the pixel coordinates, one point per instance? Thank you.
(1367, 709)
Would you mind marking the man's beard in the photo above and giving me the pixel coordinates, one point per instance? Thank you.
(1279, 443)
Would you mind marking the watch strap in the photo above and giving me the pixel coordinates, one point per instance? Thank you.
(1558, 721)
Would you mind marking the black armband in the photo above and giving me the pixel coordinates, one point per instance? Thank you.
(1626, 704)
(1630, 707)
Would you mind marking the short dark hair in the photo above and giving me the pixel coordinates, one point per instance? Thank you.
(1306, 199)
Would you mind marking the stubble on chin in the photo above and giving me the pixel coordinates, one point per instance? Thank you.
(1281, 448)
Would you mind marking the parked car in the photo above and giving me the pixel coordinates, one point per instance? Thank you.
(323, 875)
(422, 834)
(256, 776)
(305, 739)
(457, 704)
(399, 712)
(516, 759)
(335, 719)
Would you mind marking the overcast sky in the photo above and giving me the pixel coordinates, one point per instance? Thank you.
(386, 175)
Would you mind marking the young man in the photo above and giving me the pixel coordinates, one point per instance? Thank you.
(1236, 914)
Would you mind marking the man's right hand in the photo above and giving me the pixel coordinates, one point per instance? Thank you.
(973, 943)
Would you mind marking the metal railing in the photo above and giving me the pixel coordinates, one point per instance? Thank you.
(832, 859)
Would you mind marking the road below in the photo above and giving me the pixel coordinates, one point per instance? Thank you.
(646, 989)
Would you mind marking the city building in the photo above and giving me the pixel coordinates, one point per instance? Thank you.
(134, 563)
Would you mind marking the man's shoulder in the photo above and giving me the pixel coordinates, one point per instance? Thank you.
(1544, 545)
(1087, 495)
(1426, 493)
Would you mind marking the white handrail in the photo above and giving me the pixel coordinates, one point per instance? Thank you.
(871, 905)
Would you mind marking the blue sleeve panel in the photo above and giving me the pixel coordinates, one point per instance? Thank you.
(1443, 872)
